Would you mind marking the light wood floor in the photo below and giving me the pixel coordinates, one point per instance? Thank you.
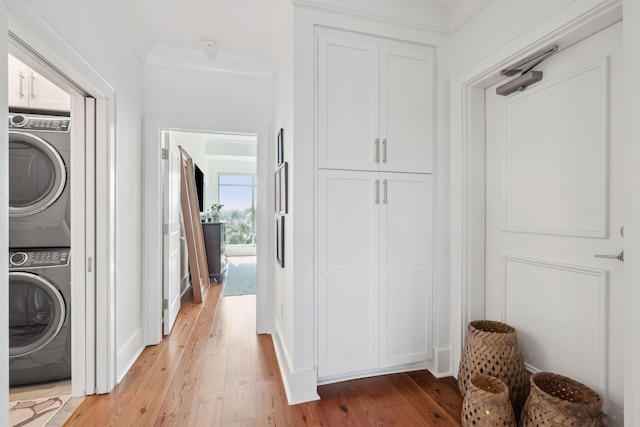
(213, 370)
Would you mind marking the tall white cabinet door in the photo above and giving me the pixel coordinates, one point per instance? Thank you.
(347, 104)
(405, 268)
(348, 218)
(406, 110)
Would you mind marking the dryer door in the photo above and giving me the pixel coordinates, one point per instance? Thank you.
(37, 174)
(36, 313)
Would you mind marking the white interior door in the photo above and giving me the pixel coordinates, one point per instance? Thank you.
(171, 244)
(554, 192)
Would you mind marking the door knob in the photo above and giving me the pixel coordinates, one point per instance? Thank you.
(619, 257)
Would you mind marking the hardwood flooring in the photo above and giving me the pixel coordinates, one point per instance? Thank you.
(213, 370)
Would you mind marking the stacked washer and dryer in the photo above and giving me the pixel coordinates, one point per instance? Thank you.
(39, 248)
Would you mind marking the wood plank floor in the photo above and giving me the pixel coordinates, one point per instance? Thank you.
(213, 370)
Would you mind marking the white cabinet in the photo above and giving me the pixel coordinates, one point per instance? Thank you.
(374, 270)
(375, 104)
(29, 89)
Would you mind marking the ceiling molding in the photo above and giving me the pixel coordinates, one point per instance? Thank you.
(353, 13)
(195, 60)
(457, 22)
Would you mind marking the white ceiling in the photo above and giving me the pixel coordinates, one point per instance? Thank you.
(246, 31)
(249, 33)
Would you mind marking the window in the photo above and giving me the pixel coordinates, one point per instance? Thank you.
(238, 195)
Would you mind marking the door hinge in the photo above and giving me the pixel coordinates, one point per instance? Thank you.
(165, 154)
(165, 304)
(165, 229)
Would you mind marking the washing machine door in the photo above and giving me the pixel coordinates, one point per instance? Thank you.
(36, 313)
(37, 174)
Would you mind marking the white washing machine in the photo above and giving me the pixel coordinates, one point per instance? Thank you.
(39, 172)
(39, 316)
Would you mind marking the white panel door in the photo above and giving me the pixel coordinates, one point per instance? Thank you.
(405, 268)
(171, 276)
(348, 218)
(554, 200)
(406, 110)
(348, 97)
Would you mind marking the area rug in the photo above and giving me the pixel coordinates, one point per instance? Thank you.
(241, 277)
(36, 412)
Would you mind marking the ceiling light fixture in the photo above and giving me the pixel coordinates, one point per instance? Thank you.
(209, 46)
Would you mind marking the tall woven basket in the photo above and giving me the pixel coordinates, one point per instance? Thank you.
(486, 403)
(556, 400)
(491, 348)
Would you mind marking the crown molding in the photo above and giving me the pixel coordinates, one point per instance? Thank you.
(195, 60)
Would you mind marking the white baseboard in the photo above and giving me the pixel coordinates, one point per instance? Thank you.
(300, 386)
(128, 354)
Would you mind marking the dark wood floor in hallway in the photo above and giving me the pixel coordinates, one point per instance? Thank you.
(213, 370)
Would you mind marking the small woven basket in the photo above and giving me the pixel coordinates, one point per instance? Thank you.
(486, 403)
(556, 400)
(492, 348)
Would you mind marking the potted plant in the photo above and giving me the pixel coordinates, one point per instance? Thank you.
(215, 211)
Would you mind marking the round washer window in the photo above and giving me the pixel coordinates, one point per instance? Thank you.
(36, 313)
(37, 174)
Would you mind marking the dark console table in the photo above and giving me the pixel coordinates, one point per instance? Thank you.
(214, 242)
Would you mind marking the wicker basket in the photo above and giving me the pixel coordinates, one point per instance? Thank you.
(486, 403)
(556, 400)
(491, 348)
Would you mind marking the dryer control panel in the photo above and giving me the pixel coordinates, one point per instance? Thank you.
(37, 122)
(38, 258)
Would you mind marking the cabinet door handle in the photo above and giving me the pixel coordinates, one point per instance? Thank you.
(32, 89)
(385, 191)
(20, 85)
(384, 150)
(377, 191)
(377, 150)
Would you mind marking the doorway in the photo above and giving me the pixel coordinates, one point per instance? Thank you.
(227, 187)
(47, 106)
(156, 128)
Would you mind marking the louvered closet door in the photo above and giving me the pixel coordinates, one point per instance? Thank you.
(348, 218)
(406, 241)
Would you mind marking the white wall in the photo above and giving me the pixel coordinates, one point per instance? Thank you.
(4, 230)
(87, 34)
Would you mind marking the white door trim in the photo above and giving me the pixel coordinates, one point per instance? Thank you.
(152, 240)
(467, 163)
(631, 35)
(39, 36)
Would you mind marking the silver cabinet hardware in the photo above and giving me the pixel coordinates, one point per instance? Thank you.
(377, 191)
(377, 150)
(20, 86)
(385, 191)
(384, 150)
(619, 257)
(32, 88)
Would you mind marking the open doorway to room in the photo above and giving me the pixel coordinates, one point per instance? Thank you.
(56, 129)
(227, 185)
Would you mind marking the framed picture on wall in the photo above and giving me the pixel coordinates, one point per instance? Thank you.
(280, 240)
(277, 195)
(280, 147)
(282, 188)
